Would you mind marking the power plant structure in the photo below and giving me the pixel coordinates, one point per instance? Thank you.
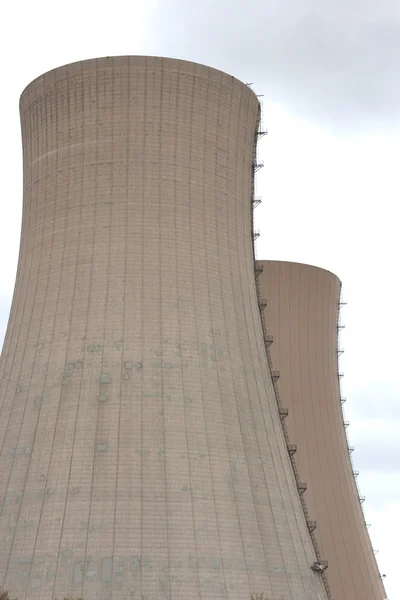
(144, 448)
(302, 317)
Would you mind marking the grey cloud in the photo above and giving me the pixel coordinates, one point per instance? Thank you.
(335, 62)
(379, 488)
(375, 420)
(377, 401)
(377, 455)
(4, 311)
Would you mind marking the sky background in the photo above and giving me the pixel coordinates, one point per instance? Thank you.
(329, 73)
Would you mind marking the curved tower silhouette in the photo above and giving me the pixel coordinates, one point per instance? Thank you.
(142, 453)
(302, 317)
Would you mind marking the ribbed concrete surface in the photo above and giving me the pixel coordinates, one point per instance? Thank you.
(302, 317)
(141, 448)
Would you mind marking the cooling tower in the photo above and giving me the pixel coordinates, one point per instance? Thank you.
(302, 316)
(142, 451)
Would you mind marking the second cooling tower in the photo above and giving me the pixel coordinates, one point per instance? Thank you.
(302, 317)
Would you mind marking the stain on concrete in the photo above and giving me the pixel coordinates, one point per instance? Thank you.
(107, 570)
(77, 572)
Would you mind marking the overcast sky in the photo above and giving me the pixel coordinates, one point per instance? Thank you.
(329, 74)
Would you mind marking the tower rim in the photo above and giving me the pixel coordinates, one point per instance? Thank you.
(298, 264)
(121, 58)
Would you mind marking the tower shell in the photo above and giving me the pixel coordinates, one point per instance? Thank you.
(142, 454)
(302, 317)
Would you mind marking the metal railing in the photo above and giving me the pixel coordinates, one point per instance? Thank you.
(283, 412)
(346, 423)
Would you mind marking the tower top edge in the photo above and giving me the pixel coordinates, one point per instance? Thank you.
(298, 266)
(80, 66)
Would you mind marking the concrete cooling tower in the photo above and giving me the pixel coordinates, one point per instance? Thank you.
(142, 453)
(302, 317)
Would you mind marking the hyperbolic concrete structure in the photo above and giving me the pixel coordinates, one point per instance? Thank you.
(142, 453)
(302, 316)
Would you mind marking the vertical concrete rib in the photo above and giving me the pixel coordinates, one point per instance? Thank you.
(301, 315)
(142, 453)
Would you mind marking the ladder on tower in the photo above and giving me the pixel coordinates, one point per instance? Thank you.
(283, 412)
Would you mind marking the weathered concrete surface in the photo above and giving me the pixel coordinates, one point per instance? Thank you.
(301, 315)
(142, 452)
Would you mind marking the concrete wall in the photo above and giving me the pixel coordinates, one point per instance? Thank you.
(142, 451)
(302, 316)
